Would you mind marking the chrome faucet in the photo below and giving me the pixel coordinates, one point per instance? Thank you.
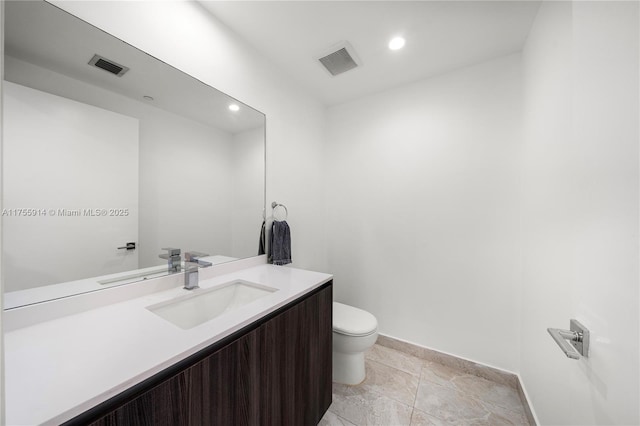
(173, 259)
(192, 262)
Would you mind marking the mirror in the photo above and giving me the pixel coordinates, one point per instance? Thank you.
(108, 159)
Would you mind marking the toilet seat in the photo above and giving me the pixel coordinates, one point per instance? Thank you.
(351, 321)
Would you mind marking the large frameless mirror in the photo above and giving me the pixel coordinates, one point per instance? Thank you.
(110, 155)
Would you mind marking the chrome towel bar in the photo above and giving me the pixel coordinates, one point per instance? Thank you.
(573, 342)
(275, 205)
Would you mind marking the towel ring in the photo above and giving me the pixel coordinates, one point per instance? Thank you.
(274, 205)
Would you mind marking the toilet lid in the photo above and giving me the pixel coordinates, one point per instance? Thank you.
(353, 321)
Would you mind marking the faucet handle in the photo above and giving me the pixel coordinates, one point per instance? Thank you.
(172, 251)
(193, 256)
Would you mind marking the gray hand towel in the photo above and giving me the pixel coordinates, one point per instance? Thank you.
(280, 246)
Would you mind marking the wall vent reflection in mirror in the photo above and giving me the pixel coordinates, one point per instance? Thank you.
(107, 65)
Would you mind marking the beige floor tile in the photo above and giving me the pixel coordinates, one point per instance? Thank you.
(362, 407)
(440, 374)
(396, 359)
(332, 419)
(488, 391)
(420, 418)
(499, 416)
(401, 389)
(449, 404)
(390, 382)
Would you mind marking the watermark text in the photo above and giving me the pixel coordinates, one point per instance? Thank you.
(59, 212)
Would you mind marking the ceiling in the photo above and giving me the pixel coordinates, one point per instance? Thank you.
(42, 34)
(440, 36)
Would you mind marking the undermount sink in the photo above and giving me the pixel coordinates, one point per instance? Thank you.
(203, 305)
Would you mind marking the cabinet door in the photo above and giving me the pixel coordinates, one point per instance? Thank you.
(295, 366)
(219, 390)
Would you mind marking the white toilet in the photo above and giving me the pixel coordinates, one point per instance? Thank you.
(354, 331)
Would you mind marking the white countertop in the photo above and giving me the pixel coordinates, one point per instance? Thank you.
(57, 369)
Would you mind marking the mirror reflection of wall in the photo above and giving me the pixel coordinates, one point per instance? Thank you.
(62, 157)
(195, 180)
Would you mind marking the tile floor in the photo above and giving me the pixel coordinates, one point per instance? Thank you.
(401, 389)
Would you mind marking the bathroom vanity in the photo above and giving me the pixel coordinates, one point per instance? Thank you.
(267, 361)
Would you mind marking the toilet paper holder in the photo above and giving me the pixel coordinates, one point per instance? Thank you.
(573, 342)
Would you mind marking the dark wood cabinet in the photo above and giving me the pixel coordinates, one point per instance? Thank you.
(276, 371)
(295, 372)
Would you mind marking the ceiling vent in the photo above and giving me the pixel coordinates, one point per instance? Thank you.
(108, 65)
(341, 58)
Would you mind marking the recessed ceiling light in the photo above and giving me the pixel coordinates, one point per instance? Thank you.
(147, 98)
(396, 43)
(234, 107)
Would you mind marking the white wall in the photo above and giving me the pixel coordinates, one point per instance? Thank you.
(580, 211)
(423, 210)
(248, 168)
(202, 46)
